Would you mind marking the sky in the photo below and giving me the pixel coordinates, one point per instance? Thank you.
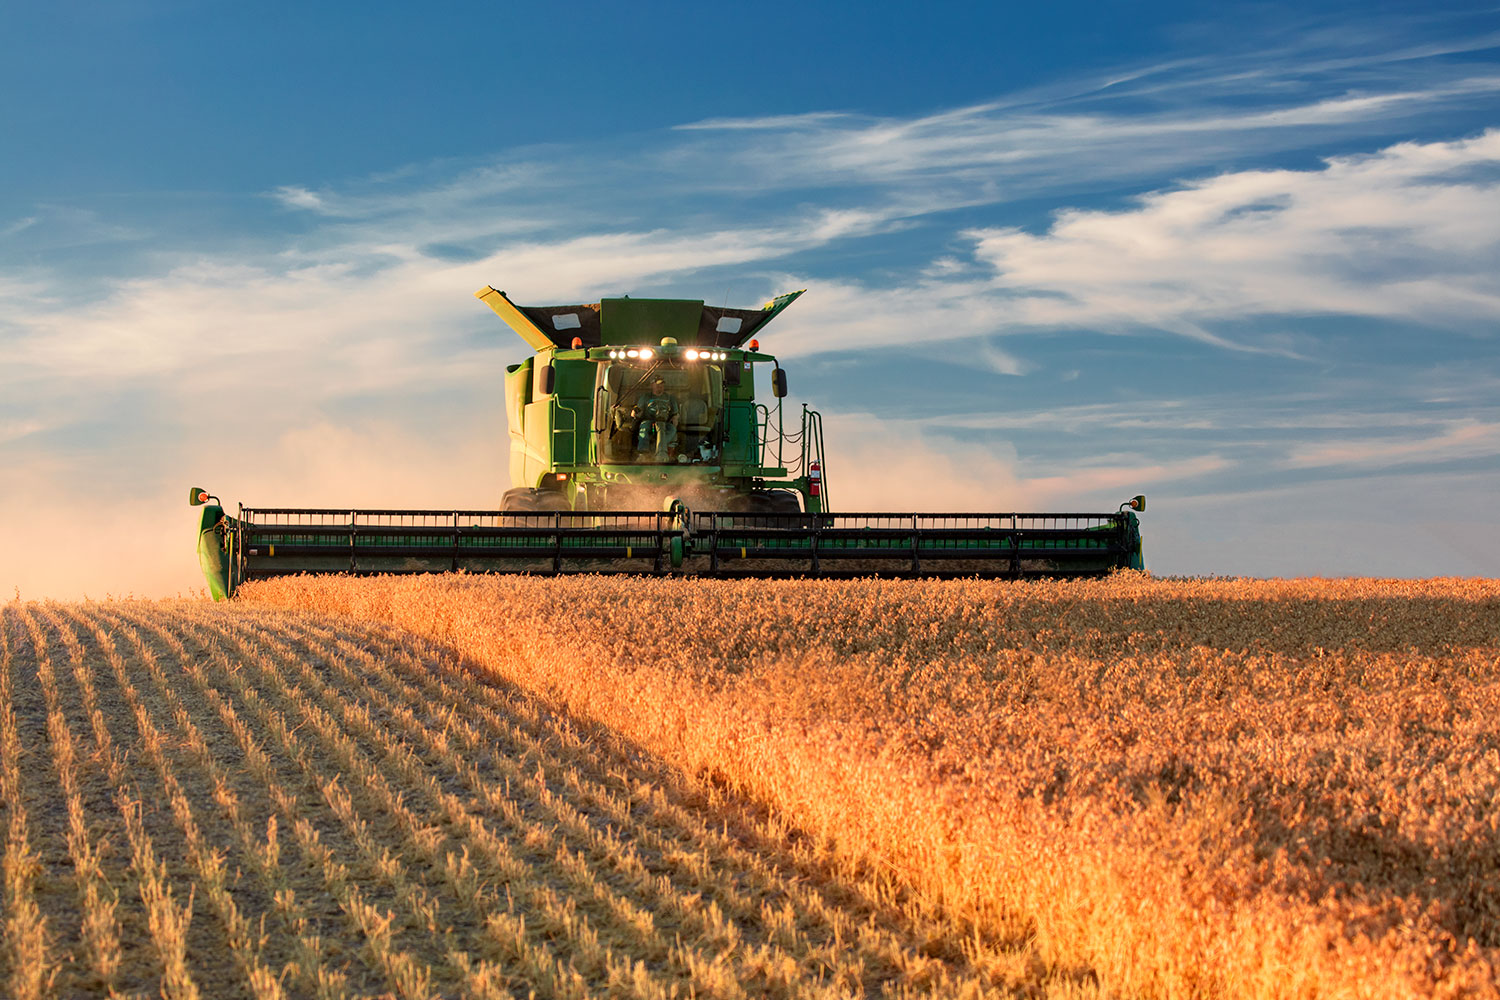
(1241, 258)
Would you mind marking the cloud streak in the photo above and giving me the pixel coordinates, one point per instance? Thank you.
(1410, 233)
(1459, 440)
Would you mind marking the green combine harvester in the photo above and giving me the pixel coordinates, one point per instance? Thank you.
(637, 445)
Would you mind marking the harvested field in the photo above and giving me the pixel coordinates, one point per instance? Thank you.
(239, 801)
(1189, 789)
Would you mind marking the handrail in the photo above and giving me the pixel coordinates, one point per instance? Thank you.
(762, 432)
(812, 449)
(782, 438)
(571, 431)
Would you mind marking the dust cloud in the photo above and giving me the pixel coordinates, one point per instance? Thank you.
(65, 536)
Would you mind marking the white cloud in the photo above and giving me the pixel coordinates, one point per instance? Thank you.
(54, 227)
(997, 149)
(1461, 439)
(1409, 233)
(849, 316)
(293, 196)
(20, 225)
(1134, 125)
(14, 430)
(764, 122)
(353, 318)
(880, 464)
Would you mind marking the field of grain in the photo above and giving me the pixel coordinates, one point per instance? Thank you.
(237, 801)
(1174, 789)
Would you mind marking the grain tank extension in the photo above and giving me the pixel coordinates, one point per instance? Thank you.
(638, 444)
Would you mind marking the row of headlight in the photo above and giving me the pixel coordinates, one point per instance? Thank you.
(646, 354)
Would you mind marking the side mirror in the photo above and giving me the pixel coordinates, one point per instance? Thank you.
(601, 403)
(197, 496)
(1137, 502)
(778, 382)
(549, 380)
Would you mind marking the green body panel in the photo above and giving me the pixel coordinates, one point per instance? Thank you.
(212, 557)
(647, 321)
(741, 438)
(549, 430)
(517, 395)
(573, 412)
(1133, 529)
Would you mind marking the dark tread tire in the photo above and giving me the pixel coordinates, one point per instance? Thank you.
(526, 498)
(773, 502)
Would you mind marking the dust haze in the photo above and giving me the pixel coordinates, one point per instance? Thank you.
(65, 536)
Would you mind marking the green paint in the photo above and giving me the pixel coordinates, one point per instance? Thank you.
(212, 558)
(647, 321)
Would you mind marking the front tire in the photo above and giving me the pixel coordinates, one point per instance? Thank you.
(526, 498)
(773, 502)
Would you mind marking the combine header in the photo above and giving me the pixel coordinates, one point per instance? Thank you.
(637, 445)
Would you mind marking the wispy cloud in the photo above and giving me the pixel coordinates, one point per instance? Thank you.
(14, 430)
(1411, 233)
(1132, 126)
(300, 197)
(1459, 440)
(48, 227)
(884, 464)
(1017, 150)
(20, 225)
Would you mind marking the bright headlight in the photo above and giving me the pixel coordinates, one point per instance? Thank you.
(690, 354)
(632, 353)
(646, 354)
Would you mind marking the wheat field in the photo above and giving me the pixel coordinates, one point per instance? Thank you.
(211, 801)
(470, 786)
(1171, 788)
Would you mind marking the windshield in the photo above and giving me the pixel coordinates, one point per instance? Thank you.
(658, 412)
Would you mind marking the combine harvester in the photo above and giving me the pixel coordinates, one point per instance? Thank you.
(637, 445)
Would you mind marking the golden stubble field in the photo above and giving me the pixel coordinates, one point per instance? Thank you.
(475, 786)
(1172, 788)
(211, 801)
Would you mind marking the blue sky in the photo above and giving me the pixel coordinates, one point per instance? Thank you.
(1240, 257)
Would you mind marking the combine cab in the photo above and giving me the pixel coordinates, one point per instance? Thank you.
(637, 445)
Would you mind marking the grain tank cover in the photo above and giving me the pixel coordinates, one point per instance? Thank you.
(633, 321)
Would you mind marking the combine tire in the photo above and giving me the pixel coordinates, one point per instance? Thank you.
(776, 504)
(525, 498)
(773, 502)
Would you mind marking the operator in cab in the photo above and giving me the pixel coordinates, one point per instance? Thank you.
(657, 414)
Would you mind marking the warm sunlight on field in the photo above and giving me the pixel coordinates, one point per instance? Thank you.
(1182, 789)
(209, 801)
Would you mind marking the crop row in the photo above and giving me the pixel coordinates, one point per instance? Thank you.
(202, 801)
